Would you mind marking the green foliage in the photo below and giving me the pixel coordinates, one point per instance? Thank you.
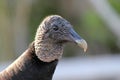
(41, 9)
(115, 4)
(97, 32)
(95, 27)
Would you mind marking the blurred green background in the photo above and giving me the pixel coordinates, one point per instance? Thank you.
(19, 20)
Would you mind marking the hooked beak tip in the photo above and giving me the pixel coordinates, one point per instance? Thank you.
(82, 43)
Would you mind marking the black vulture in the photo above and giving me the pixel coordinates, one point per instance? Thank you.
(39, 61)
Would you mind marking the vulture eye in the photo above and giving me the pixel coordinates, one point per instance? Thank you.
(55, 28)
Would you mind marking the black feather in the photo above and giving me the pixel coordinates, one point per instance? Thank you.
(32, 68)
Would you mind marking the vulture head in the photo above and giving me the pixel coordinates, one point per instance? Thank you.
(51, 35)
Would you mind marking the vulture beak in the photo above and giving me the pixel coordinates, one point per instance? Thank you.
(78, 40)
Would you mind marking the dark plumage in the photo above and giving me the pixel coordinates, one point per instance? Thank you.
(29, 67)
(39, 61)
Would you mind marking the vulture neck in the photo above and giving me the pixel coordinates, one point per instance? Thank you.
(46, 49)
(29, 67)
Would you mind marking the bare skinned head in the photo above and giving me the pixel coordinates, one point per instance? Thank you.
(52, 34)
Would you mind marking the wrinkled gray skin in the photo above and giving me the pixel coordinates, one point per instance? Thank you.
(52, 33)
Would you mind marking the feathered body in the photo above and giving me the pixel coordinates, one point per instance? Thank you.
(29, 67)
